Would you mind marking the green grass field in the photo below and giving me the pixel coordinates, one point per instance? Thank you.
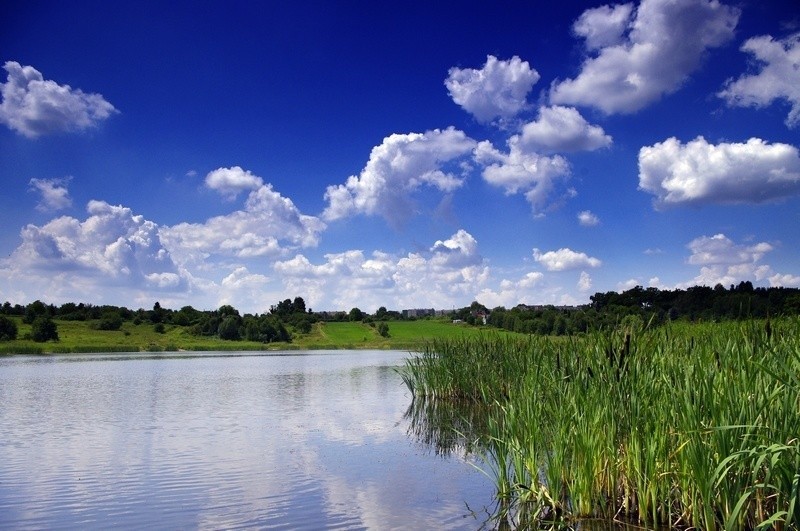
(79, 336)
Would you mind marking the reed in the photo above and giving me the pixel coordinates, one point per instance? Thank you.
(684, 425)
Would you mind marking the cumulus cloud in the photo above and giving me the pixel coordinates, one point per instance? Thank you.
(603, 26)
(231, 181)
(112, 246)
(723, 261)
(699, 172)
(33, 106)
(563, 129)
(779, 77)
(720, 250)
(584, 282)
(523, 171)
(242, 288)
(441, 277)
(588, 219)
(639, 56)
(268, 224)
(396, 169)
(513, 292)
(54, 192)
(498, 90)
(564, 259)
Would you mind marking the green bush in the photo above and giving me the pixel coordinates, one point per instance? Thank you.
(8, 329)
(44, 329)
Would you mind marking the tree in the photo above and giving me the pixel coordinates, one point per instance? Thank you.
(8, 329)
(35, 309)
(44, 329)
(229, 328)
(226, 310)
(383, 329)
(157, 315)
(109, 321)
(356, 315)
(299, 305)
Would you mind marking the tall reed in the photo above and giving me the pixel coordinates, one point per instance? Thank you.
(684, 425)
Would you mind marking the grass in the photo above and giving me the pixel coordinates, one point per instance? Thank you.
(683, 426)
(79, 336)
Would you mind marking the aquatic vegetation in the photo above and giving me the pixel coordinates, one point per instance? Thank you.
(683, 425)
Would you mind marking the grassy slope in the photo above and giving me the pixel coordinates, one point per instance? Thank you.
(78, 336)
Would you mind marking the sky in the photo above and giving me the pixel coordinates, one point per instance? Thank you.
(406, 155)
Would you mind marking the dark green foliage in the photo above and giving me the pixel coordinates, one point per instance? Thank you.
(33, 310)
(159, 328)
(186, 316)
(303, 323)
(157, 314)
(355, 315)
(229, 328)
(44, 329)
(287, 307)
(109, 321)
(8, 329)
(265, 328)
(383, 329)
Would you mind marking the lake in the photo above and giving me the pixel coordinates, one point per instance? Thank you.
(291, 440)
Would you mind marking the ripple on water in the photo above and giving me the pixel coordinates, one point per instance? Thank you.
(285, 442)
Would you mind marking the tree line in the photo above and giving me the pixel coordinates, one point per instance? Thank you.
(292, 316)
(652, 306)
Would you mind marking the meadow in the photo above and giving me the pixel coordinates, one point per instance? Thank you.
(686, 425)
(82, 336)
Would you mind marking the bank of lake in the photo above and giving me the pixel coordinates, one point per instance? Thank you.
(81, 336)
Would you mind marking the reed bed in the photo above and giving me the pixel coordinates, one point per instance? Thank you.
(682, 426)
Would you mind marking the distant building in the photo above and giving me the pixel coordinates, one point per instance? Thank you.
(541, 307)
(419, 312)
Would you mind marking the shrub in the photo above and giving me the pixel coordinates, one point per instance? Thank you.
(44, 329)
(8, 329)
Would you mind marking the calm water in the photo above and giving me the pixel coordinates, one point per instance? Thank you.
(219, 440)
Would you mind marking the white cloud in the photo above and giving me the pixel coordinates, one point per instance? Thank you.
(628, 284)
(522, 170)
(33, 106)
(450, 271)
(513, 292)
(55, 195)
(112, 247)
(534, 288)
(584, 282)
(247, 291)
(267, 225)
(563, 129)
(786, 281)
(395, 170)
(588, 219)
(650, 54)
(564, 259)
(603, 26)
(779, 77)
(231, 181)
(725, 262)
(498, 90)
(719, 250)
(699, 172)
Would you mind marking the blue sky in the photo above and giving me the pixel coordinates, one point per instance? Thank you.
(402, 155)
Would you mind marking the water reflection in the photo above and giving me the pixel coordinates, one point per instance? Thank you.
(459, 428)
(447, 427)
(301, 441)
